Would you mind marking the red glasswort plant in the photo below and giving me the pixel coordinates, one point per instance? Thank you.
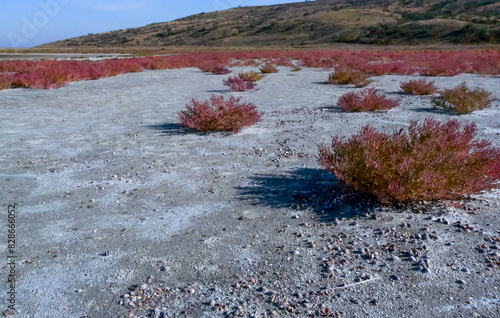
(219, 114)
(432, 161)
(463, 100)
(366, 100)
(221, 70)
(419, 87)
(239, 84)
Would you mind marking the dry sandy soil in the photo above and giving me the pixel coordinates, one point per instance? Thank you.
(116, 201)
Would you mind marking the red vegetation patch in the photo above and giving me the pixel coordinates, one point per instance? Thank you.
(239, 84)
(484, 62)
(221, 70)
(432, 161)
(366, 100)
(419, 87)
(219, 114)
(463, 100)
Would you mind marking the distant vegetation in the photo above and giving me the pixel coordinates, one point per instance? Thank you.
(350, 67)
(317, 22)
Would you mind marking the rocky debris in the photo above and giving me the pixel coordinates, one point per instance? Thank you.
(322, 269)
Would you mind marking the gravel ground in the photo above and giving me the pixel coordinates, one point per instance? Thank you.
(121, 212)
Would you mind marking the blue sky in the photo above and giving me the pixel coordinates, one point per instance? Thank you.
(29, 23)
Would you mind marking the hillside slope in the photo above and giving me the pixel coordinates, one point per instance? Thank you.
(317, 22)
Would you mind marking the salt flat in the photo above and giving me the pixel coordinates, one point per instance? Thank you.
(111, 190)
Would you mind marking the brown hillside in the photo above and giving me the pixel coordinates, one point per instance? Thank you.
(316, 22)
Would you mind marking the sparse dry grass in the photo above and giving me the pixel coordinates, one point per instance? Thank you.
(463, 100)
(251, 76)
(344, 75)
(419, 87)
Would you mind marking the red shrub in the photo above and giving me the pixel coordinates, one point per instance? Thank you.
(6, 80)
(463, 100)
(221, 70)
(268, 68)
(419, 87)
(219, 114)
(44, 78)
(431, 161)
(366, 100)
(239, 84)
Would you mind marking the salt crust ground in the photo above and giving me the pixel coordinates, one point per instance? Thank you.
(102, 166)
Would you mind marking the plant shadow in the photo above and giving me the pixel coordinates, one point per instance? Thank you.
(331, 109)
(175, 129)
(171, 129)
(219, 91)
(434, 111)
(308, 189)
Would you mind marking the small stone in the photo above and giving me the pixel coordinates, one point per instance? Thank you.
(460, 281)
(295, 252)
(465, 270)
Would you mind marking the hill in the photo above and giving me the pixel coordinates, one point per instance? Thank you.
(316, 23)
